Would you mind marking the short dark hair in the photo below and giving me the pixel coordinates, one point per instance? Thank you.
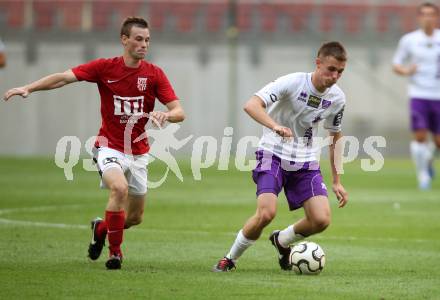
(130, 22)
(334, 49)
(429, 5)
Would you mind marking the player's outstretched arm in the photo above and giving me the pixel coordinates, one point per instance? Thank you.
(256, 108)
(405, 70)
(49, 82)
(174, 114)
(336, 164)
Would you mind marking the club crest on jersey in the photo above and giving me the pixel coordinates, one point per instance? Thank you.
(325, 103)
(313, 101)
(142, 83)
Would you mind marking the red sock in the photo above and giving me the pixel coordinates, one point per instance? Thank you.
(101, 229)
(115, 223)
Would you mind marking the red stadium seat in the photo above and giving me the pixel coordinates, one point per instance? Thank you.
(405, 16)
(215, 15)
(352, 14)
(157, 13)
(268, 17)
(357, 15)
(14, 13)
(103, 12)
(244, 15)
(390, 15)
(72, 14)
(44, 14)
(185, 14)
(298, 13)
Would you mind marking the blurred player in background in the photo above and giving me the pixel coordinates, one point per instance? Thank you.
(2, 55)
(418, 56)
(128, 86)
(290, 109)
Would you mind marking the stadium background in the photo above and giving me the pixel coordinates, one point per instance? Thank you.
(216, 54)
(384, 245)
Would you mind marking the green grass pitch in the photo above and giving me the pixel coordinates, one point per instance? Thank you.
(384, 245)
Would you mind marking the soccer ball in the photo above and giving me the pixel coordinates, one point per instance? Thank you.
(307, 258)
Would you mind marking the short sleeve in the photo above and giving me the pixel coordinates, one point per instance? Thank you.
(333, 122)
(402, 52)
(275, 90)
(89, 71)
(164, 90)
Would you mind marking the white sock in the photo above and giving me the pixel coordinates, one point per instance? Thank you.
(240, 245)
(288, 236)
(421, 155)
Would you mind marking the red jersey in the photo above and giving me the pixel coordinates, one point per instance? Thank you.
(126, 95)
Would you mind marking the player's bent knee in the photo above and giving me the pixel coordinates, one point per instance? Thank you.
(266, 216)
(321, 223)
(421, 136)
(120, 190)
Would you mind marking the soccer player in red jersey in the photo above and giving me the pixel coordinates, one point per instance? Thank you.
(128, 86)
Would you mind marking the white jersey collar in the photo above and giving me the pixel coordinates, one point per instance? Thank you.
(312, 87)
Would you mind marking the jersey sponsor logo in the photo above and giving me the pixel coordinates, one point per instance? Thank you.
(273, 97)
(308, 136)
(142, 83)
(128, 106)
(338, 118)
(317, 119)
(110, 160)
(314, 101)
(325, 103)
(302, 97)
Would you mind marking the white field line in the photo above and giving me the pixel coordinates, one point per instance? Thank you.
(42, 224)
(36, 209)
(11, 222)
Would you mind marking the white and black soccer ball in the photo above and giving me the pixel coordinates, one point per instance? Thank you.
(307, 258)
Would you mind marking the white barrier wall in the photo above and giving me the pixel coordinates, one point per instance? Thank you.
(376, 98)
